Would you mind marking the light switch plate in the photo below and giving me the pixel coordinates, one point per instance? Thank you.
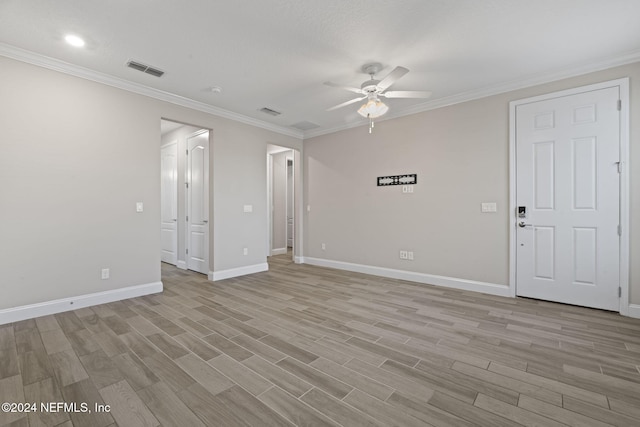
(248, 208)
(139, 207)
(489, 207)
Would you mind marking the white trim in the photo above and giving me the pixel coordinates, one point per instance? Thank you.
(15, 314)
(279, 251)
(182, 265)
(625, 197)
(187, 195)
(175, 190)
(431, 279)
(298, 259)
(634, 311)
(492, 90)
(623, 85)
(269, 203)
(235, 272)
(85, 73)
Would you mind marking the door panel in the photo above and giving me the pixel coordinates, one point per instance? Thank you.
(169, 203)
(290, 193)
(198, 202)
(567, 149)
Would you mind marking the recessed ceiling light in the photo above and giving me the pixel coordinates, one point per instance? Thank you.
(74, 40)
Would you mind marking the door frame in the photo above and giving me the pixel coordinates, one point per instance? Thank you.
(623, 85)
(296, 156)
(290, 183)
(169, 144)
(187, 237)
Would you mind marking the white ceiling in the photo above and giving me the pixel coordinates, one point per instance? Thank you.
(278, 53)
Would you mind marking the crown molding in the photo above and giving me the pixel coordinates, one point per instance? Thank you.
(88, 74)
(539, 79)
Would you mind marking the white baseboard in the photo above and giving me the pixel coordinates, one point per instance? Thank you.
(448, 282)
(182, 265)
(279, 251)
(634, 311)
(15, 314)
(298, 259)
(240, 271)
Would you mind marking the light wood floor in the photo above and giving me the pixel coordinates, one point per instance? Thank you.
(303, 345)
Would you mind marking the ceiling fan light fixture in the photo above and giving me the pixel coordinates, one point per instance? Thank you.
(373, 108)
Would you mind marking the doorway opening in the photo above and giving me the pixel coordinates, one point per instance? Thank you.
(281, 171)
(184, 201)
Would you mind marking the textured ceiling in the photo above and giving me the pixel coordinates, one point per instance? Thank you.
(278, 53)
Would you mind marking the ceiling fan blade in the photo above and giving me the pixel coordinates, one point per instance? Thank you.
(351, 89)
(392, 77)
(406, 94)
(344, 104)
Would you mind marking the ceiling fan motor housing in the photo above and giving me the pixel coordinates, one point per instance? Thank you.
(370, 86)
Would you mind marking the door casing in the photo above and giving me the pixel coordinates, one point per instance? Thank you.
(171, 258)
(207, 227)
(623, 85)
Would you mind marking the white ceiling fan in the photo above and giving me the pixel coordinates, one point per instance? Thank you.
(372, 89)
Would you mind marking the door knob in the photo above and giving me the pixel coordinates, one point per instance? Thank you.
(521, 224)
(205, 221)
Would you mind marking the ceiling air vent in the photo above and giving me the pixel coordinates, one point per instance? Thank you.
(270, 111)
(305, 125)
(145, 68)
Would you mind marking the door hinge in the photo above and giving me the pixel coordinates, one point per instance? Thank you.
(187, 251)
(187, 151)
(619, 167)
(187, 218)
(186, 184)
(619, 230)
(619, 292)
(619, 105)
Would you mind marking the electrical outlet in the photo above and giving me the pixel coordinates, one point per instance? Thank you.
(403, 255)
(410, 255)
(324, 246)
(245, 251)
(407, 189)
(105, 273)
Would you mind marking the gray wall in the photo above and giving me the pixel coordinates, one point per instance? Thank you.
(461, 156)
(76, 156)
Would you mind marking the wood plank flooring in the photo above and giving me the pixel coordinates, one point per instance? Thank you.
(309, 346)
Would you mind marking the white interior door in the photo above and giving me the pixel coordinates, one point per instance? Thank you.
(197, 183)
(567, 241)
(290, 209)
(169, 203)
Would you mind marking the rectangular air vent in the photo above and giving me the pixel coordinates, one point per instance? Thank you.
(145, 68)
(270, 111)
(305, 125)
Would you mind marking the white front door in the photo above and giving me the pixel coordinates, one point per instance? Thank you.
(169, 203)
(197, 180)
(568, 199)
